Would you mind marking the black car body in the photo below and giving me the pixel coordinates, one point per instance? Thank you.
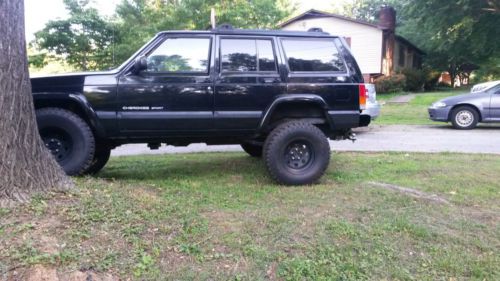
(224, 86)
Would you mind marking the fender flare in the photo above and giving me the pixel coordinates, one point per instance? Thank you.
(80, 101)
(282, 99)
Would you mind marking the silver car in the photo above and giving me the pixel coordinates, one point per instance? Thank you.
(465, 111)
(372, 105)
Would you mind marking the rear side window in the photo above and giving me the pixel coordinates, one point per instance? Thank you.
(247, 55)
(313, 55)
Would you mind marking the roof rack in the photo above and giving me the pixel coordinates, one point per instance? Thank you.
(315, 29)
(224, 26)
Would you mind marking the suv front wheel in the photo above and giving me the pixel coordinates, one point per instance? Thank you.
(101, 157)
(68, 137)
(296, 153)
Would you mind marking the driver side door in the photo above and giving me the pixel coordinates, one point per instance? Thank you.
(174, 93)
(495, 104)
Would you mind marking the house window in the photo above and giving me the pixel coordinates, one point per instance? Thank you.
(402, 55)
(416, 61)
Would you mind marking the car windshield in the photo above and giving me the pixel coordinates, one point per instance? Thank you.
(484, 86)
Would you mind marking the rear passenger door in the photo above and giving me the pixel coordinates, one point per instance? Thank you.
(247, 81)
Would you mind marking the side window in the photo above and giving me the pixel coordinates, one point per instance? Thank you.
(402, 55)
(180, 55)
(247, 55)
(313, 55)
(266, 55)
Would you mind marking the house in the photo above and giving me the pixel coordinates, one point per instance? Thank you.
(376, 47)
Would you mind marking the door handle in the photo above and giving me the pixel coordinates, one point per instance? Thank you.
(270, 80)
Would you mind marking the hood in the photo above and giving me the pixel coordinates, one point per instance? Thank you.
(67, 82)
(462, 98)
(72, 74)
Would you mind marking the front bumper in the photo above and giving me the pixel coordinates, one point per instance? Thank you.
(439, 114)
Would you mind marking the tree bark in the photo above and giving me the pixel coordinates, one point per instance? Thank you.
(26, 166)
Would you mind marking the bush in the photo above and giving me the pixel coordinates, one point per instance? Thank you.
(415, 79)
(390, 84)
(431, 79)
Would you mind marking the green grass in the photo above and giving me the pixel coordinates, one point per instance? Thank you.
(219, 216)
(413, 113)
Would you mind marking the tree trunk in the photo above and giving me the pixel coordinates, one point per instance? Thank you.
(452, 70)
(26, 166)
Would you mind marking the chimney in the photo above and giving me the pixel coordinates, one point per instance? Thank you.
(387, 22)
(387, 18)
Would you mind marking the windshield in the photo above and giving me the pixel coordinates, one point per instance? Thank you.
(484, 86)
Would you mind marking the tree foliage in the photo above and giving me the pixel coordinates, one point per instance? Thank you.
(84, 40)
(368, 10)
(87, 41)
(454, 34)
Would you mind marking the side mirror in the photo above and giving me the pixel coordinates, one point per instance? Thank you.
(140, 64)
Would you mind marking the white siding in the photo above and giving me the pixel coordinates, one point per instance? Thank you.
(366, 41)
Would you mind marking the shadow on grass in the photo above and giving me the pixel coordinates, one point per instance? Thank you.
(199, 166)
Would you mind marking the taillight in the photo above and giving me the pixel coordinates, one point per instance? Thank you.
(362, 96)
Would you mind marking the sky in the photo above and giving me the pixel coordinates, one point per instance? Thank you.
(39, 12)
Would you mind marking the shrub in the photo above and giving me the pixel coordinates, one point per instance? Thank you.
(390, 84)
(431, 79)
(415, 79)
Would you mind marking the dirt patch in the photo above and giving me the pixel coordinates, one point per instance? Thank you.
(225, 221)
(43, 273)
(171, 260)
(271, 271)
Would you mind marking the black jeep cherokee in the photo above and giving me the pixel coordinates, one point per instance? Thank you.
(278, 94)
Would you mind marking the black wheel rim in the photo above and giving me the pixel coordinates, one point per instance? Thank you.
(58, 142)
(298, 155)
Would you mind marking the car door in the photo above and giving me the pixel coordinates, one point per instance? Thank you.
(247, 81)
(174, 93)
(495, 104)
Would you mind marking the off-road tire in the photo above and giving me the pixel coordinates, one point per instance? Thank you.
(467, 112)
(299, 139)
(253, 150)
(63, 129)
(101, 157)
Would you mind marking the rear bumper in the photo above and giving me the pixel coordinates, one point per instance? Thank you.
(372, 109)
(340, 120)
(439, 114)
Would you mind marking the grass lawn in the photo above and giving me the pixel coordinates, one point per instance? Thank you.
(413, 113)
(218, 216)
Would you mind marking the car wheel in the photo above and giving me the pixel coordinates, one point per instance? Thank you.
(253, 150)
(296, 153)
(101, 157)
(68, 137)
(464, 118)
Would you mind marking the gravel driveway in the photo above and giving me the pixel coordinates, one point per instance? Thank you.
(436, 138)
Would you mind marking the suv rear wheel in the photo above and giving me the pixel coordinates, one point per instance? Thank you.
(296, 153)
(68, 137)
(253, 150)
